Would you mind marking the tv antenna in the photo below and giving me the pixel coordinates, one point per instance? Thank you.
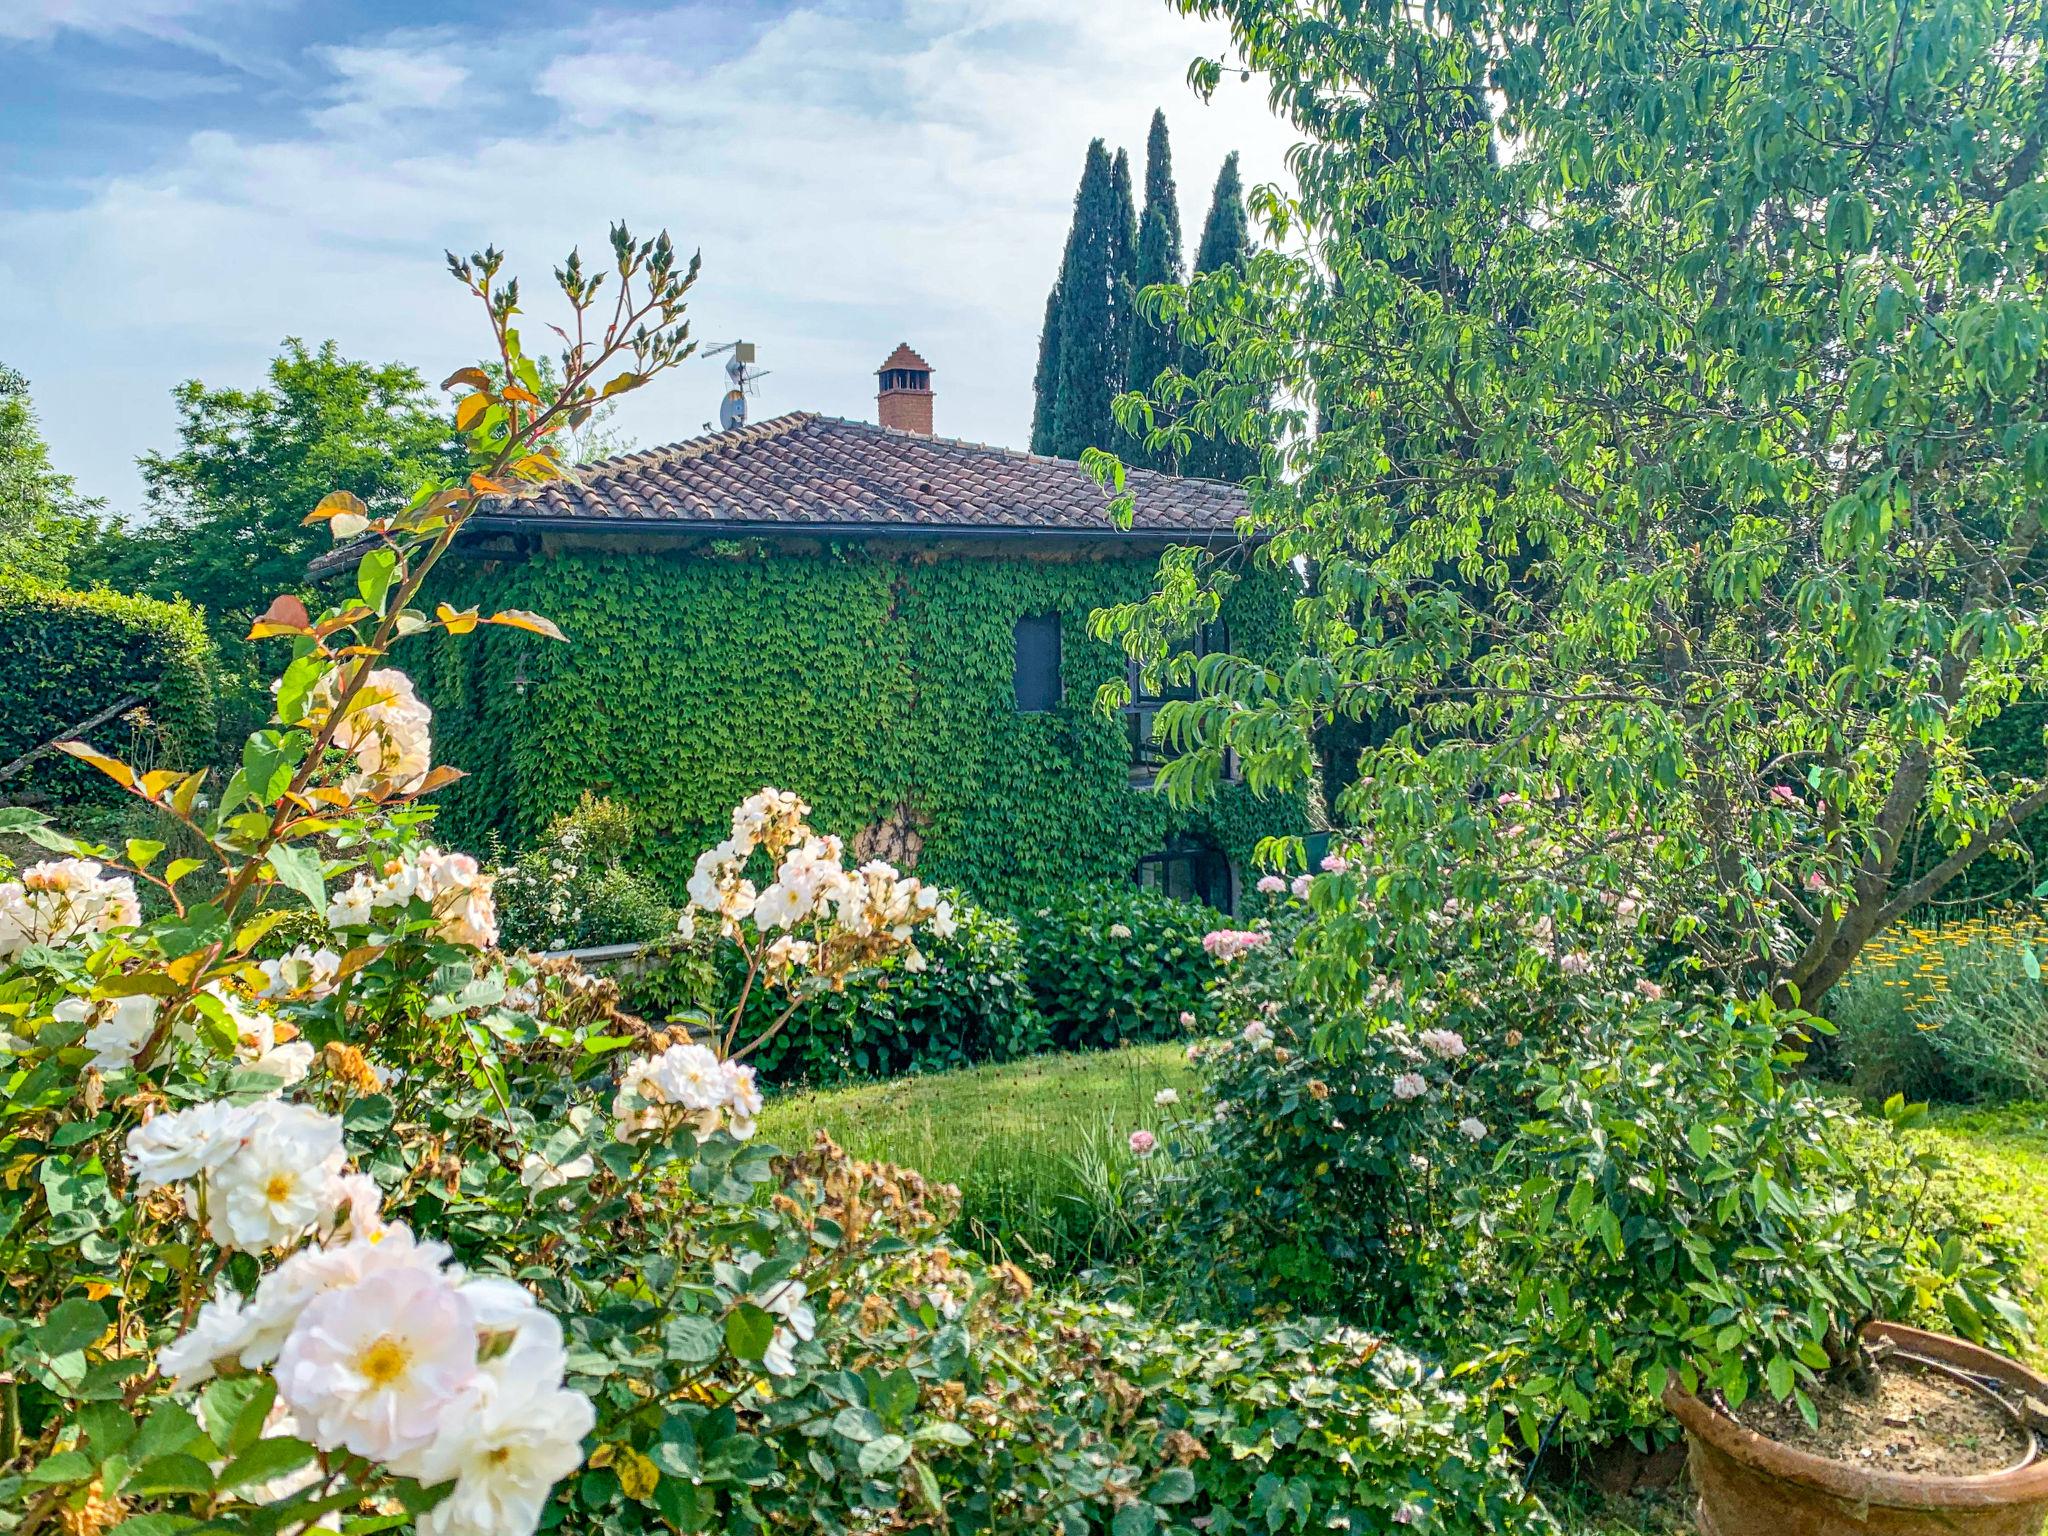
(740, 376)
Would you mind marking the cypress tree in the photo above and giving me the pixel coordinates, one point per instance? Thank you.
(1123, 292)
(1159, 258)
(1226, 241)
(1084, 339)
(1045, 384)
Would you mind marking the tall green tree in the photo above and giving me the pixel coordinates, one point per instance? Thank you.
(1045, 383)
(43, 519)
(1225, 244)
(1090, 353)
(228, 502)
(1725, 400)
(1153, 347)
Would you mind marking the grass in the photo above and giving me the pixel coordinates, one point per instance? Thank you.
(2003, 1153)
(1039, 1148)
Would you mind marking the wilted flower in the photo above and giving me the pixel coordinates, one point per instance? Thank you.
(1447, 1044)
(1649, 989)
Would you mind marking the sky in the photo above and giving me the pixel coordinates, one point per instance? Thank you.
(185, 183)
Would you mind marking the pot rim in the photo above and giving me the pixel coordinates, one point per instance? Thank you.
(2021, 1484)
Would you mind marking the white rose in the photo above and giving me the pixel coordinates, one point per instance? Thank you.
(373, 1367)
(283, 1180)
(505, 1446)
(171, 1148)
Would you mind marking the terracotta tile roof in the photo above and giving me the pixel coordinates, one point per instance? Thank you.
(903, 357)
(807, 470)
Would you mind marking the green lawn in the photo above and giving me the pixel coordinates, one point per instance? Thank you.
(2005, 1152)
(1037, 1147)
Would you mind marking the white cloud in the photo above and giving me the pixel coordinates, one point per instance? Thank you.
(853, 181)
(34, 19)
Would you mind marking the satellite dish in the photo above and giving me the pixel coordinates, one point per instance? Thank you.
(732, 411)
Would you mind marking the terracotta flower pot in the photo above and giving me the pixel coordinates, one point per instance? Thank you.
(1751, 1486)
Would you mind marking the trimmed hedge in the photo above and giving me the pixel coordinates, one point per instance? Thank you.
(65, 655)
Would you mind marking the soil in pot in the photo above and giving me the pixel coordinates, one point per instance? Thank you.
(1918, 1421)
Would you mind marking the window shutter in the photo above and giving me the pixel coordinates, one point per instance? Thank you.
(1038, 663)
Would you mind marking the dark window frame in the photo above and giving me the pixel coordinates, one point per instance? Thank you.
(1048, 669)
(1190, 868)
(1148, 754)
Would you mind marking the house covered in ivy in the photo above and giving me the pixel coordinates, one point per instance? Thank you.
(892, 624)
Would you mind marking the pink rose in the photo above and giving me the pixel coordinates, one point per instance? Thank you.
(1143, 1143)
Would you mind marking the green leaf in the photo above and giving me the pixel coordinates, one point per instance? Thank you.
(748, 1331)
(884, 1455)
(174, 1473)
(692, 1339)
(64, 1467)
(1779, 1377)
(266, 1460)
(1176, 1485)
(298, 868)
(71, 1325)
(373, 576)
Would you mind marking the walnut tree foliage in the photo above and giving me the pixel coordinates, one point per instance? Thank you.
(1657, 406)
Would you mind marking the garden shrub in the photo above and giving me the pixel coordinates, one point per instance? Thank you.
(1680, 1206)
(969, 1004)
(70, 654)
(1954, 1013)
(1328, 1182)
(573, 889)
(1113, 963)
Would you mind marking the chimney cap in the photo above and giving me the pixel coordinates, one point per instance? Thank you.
(903, 357)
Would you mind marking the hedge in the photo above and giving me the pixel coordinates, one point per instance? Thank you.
(66, 655)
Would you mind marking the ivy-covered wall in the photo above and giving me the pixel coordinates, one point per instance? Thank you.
(877, 682)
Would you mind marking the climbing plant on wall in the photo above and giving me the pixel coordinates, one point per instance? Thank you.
(880, 686)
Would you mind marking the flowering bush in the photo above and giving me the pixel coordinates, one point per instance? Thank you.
(971, 1003)
(574, 889)
(1678, 1206)
(1329, 1184)
(1446, 1178)
(1114, 963)
(171, 1222)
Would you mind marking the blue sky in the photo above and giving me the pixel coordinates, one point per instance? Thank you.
(183, 183)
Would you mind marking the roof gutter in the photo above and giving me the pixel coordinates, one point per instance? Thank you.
(336, 560)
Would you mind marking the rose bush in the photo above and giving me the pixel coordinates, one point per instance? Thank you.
(1547, 1167)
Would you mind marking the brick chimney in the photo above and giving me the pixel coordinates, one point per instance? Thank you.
(904, 400)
